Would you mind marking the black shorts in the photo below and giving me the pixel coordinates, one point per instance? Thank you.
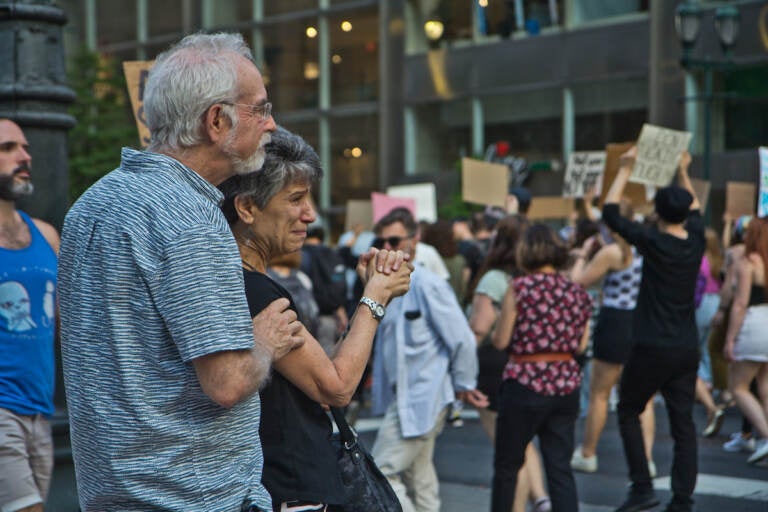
(612, 338)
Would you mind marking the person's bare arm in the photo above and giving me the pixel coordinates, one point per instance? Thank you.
(229, 377)
(503, 332)
(685, 180)
(588, 273)
(584, 340)
(333, 381)
(483, 316)
(626, 162)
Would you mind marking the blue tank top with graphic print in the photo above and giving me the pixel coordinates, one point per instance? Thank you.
(27, 325)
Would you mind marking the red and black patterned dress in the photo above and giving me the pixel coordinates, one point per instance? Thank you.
(552, 313)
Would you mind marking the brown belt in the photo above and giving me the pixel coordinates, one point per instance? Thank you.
(541, 357)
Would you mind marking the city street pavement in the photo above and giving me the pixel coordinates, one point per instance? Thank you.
(726, 483)
(464, 457)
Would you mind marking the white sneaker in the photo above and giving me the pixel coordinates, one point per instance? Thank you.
(652, 469)
(581, 463)
(737, 443)
(761, 451)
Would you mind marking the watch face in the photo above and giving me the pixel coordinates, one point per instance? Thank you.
(379, 310)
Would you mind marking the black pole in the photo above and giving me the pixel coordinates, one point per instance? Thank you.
(34, 94)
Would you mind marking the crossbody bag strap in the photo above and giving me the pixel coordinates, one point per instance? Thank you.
(345, 431)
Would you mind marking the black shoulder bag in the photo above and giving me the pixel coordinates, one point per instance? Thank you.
(366, 489)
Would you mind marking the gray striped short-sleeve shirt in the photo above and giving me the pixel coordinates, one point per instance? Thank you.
(150, 279)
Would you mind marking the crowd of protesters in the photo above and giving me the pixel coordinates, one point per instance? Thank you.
(225, 407)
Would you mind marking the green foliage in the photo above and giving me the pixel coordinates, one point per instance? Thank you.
(104, 119)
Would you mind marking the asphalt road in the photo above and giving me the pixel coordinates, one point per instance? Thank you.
(463, 458)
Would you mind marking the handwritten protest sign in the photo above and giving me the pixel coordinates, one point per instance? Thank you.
(423, 194)
(585, 170)
(633, 191)
(383, 204)
(762, 203)
(658, 153)
(702, 189)
(550, 207)
(484, 182)
(739, 198)
(359, 211)
(136, 73)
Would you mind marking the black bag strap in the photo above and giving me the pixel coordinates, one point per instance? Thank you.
(346, 433)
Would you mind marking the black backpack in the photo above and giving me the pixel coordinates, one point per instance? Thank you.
(327, 271)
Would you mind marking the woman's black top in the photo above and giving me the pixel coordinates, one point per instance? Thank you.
(299, 461)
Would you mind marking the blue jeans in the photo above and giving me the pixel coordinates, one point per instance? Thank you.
(704, 313)
(523, 414)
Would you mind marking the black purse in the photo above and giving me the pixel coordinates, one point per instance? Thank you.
(366, 489)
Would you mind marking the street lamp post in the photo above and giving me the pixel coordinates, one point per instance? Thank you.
(687, 25)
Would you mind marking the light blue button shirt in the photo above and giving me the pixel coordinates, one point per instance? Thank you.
(426, 351)
(149, 280)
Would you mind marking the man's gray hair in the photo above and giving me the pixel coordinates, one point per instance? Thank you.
(289, 159)
(197, 72)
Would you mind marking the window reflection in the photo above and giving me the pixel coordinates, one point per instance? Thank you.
(354, 174)
(442, 136)
(354, 56)
(290, 58)
(273, 7)
(116, 22)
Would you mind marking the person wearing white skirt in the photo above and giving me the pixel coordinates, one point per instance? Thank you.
(746, 345)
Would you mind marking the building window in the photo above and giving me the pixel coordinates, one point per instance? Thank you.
(354, 56)
(594, 131)
(746, 113)
(275, 7)
(354, 157)
(291, 64)
(116, 22)
(441, 136)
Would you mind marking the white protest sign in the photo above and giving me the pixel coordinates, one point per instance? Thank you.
(585, 170)
(658, 153)
(762, 200)
(424, 195)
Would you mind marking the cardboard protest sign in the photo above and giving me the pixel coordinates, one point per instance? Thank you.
(635, 192)
(550, 207)
(423, 194)
(702, 189)
(484, 183)
(383, 204)
(136, 73)
(359, 211)
(762, 203)
(585, 170)
(740, 198)
(658, 154)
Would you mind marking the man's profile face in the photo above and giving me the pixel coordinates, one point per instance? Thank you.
(15, 162)
(245, 144)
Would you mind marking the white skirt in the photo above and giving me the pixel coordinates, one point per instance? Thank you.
(752, 340)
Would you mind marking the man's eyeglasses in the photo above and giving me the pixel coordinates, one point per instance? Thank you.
(262, 110)
(393, 241)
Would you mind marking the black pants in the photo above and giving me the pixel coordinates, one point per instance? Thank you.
(673, 373)
(522, 415)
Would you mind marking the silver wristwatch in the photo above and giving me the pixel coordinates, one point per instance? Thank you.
(377, 310)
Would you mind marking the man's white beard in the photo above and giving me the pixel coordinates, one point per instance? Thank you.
(253, 162)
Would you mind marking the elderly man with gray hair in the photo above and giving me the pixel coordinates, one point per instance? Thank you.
(161, 359)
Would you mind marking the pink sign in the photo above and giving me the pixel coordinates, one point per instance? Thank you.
(383, 204)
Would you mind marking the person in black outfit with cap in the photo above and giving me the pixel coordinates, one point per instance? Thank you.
(665, 357)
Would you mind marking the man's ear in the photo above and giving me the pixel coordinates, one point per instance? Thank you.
(216, 123)
(245, 208)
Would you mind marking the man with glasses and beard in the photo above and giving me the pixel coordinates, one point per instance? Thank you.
(28, 250)
(425, 357)
(161, 360)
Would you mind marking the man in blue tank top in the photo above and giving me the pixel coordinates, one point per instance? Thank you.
(28, 249)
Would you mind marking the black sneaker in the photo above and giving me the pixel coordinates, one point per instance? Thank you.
(637, 501)
(676, 506)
